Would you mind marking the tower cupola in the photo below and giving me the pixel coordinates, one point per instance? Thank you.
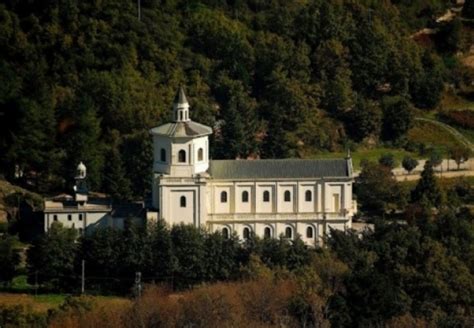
(80, 188)
(180, 107)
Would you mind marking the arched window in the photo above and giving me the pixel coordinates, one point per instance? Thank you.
(55, 217)
(266, 196)
(246, 233)
(267, 233)
(180, 116)
(69, 217)
(182, 201)
(245, 196)
(163, 155)
(200, 154)
(182, 156)
(224, 197)
(309, 232)
(288, 232)
(308, 196)
(225, 233)
(287, 196)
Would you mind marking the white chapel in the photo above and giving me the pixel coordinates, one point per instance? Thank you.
(267, 198)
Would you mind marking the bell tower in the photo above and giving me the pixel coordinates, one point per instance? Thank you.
(181, 147)
(180, 164)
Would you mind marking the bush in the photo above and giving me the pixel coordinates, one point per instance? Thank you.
(21, 316)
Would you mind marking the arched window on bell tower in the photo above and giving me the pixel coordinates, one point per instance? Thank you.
(200, 154)
(163, 155)
(182, 156)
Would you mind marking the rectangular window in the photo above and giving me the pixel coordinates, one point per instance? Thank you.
(80, 217)
(69, 217)
(337, 202)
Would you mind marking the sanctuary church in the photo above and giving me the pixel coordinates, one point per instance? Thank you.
(267, 198)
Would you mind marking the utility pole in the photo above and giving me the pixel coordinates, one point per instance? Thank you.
(36, 283)
(83, 277)
(138, 283)
(139, 10)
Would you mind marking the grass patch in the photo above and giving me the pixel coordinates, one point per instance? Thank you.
(468, 133)
(451, 101)
(369, 154)
(432, 136)
(44, 302)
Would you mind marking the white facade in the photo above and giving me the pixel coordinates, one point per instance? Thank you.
(267, 198)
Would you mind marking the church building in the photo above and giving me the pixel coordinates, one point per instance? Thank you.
(267, 198)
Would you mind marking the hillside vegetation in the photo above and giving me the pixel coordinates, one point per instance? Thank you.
(84, 81)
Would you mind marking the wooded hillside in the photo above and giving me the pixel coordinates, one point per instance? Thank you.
(85, 80)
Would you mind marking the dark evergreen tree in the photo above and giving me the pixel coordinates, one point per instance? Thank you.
(115, 179)
(81, 142)
(163, 261)
(238, 128)
(427, 86)
(377, 190)
(364, 120)
(387, 160)
(9, 258)
(51, 259)
(100, 250)
(409, 163)
(397, 118)
(427, 190)
(188, 248)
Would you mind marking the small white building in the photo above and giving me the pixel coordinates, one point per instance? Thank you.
(84, 213)
(262, 197)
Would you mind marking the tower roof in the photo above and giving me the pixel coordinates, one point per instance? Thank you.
(180, 97)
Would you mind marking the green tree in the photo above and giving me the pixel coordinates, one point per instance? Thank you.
(221, 257)
(115, 179)
(100, 249)
(9, 257)
(427, 190)
(427, 86)
(138, 162)
(163, 261)
(82, 142)
(376, 189)
(436, 157)
(397, 117)
(459, 154)
(51, 258)
(409, 163)
(188, 247)
(387, 160)
(237, 137)
(364, 120)
(134, 250)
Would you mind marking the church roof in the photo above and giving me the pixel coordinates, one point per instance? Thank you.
(182, 129)
(180, 97)
(279, 168)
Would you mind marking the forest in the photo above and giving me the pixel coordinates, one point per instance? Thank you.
(86, 80)
(414, 272)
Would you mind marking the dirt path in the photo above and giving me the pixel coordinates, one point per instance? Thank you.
(449, 174)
